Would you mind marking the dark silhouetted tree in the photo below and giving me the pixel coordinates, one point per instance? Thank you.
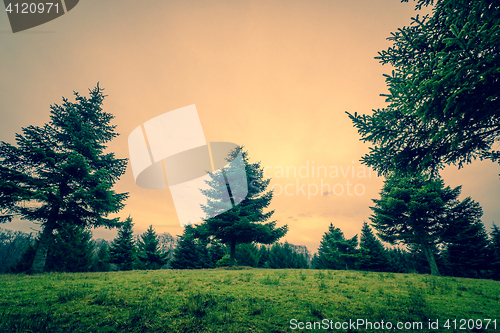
(336, 252)
(71, 251)
(416, 210)
(123, 251)
(495, 252)
(59, 174)
(373, 256)
(149, 254)
(466, 241)
(191, 252)
(444, 91)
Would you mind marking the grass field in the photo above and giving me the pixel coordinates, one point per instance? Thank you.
(247, 300)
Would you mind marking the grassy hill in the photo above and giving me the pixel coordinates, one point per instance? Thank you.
(248, 300)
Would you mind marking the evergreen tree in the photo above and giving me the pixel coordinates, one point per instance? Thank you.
(399, 261)
(336, 252)
(101, 258)
(495, 252)
(444, 91)
(191, 252)
(466, 249)
(123, 251)
(286, 256)
(216, 251)
(59, 174)
(12, 246)
(245, 222)
(71, 251)
(263, 256)
(417, 210)
(247, 254)
(149, 254)
(373, 256)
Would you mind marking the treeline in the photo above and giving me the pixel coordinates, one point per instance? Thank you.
(466, 252)
(74, 250)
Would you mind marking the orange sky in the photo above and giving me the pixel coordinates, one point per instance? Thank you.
(274, 76)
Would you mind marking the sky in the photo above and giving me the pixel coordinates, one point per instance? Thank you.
(274, 76)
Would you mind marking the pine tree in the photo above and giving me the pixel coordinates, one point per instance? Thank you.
(336, 252)
(101, 259)
(247, 254)
(495, 252)
(373, 256)
(263, 256)
(191, 252)
(71, 251)
(417, 210)
(466, 240)
(444, 91)
(59, 174)
(246, 221)
(149, 254)
(123, 251)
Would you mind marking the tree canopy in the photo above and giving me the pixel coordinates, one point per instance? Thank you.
(59, 174)
(444, 91)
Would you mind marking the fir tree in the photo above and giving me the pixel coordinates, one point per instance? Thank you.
(373, 256)
(101, 259)
(247, 254)
(466, 249)
(149, 254)
(191, 252)
(123, 251)
(59, 174)
(71, 251)
(245, 222)
(336, 252)
(495, 252)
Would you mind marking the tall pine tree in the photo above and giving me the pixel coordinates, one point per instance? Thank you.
(336, 252)
(373, 256)
(149, 254)
(245, 222)
(59, 174)
(123, 251)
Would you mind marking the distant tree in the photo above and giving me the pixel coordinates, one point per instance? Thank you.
(26, 260)
(71, 251)
(373, 256)
(123, 251)
(418, 210)
(444, 91)
(285, 256)
(466, 241)
(12, 246)
(59, 174)
(245, 222)
(149, 254)
(263, 256)
(191, 252)
(216, 251)
(315, 262)
(336, 252)
(400, 261)
(100, 258)
(495, 252)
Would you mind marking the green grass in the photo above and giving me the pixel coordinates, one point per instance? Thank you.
(250, 300)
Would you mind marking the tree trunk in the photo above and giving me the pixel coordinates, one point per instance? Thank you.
(38, 264)
(429, 255)
(231, 254)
